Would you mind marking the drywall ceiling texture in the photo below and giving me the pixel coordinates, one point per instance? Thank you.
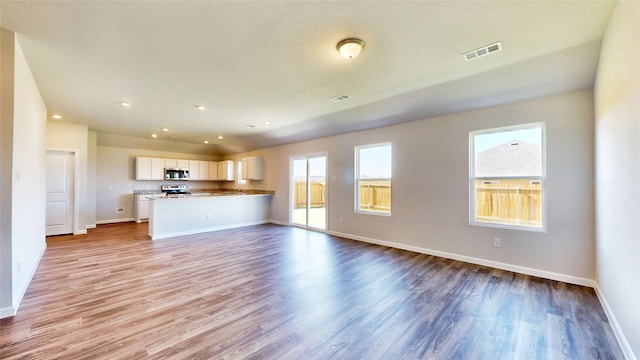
(251, 62)
(617, 95)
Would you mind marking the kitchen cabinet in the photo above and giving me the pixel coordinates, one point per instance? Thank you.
(149, 168)
(226, 170)
(204, 170)
(176, 163)
(253, 168)
(213, 170)
(194, 170)
(142, 208)
(199, 170)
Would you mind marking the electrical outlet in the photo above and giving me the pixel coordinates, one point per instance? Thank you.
(120, 210)
(497, 243)
(208, 216)
(341, 220)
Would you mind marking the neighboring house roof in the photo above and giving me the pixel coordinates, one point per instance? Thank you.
(514, 158)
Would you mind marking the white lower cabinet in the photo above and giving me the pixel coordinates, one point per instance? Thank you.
(142, 208)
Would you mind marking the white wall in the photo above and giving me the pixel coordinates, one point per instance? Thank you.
(73, 137)
(430, 188)
(6, 168)
(617, 98)
(92, 149)
(115, 179)
(26, 119)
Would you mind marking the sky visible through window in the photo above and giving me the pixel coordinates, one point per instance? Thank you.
(317, 167)
(483, 142)
(375, 162)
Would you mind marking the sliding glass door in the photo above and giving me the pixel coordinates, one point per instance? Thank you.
(309, 191)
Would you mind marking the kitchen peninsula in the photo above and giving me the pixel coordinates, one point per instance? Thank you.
(191, 214)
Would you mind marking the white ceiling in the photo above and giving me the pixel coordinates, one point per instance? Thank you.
(275, 61)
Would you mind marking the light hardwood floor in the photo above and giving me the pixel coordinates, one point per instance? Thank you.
(273, 292)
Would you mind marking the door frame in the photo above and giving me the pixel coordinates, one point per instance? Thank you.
(76, 185)
(292, 158)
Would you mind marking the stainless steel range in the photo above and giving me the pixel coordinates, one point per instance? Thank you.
(175, 190)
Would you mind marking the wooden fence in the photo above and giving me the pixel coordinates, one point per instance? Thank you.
(374, 195)
(510, 202)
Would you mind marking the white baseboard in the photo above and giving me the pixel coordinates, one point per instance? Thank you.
(478, 261)
(91, 226)
(277, 222)
(208, 229)
(16, 303)
(7, 312)
(113, 221)
(80, 232)
(622, 340)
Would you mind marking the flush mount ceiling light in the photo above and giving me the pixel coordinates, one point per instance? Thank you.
(56, 116)
(200, 107)
(164, 129)
(350, 48)
(124, 104)
(220, 137)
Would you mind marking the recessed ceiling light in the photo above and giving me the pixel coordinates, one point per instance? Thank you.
(267, 123)
(56, 116)
(220, 137)
(200, 107)
(206, 141)
(250, 126)
(164, 129)
(124, 104)
(154, 135)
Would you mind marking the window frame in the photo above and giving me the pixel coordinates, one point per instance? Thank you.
(357, 179)
(240, 181)
(542, 178)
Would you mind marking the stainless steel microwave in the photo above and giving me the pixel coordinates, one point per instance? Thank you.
(176, 174)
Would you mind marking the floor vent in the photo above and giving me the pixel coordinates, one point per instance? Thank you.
(340, 98)
(485, 50)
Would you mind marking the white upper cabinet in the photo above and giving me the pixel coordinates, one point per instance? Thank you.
(226, 170)
(253, 168)
(143, 168)
(199, 170)
(149, 168)
(176, 163)
(204, 170)
(157, 169)
(213, 170)
(194, 170)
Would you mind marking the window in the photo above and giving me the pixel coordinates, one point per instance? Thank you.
(507, 177)
(241, 181)
(373, 179)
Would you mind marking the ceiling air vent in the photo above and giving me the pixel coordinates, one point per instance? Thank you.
(340, 98)
(485, 50)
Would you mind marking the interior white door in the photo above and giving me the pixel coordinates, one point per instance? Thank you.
(60, 192)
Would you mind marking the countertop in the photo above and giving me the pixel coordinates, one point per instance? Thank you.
(196, 193)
